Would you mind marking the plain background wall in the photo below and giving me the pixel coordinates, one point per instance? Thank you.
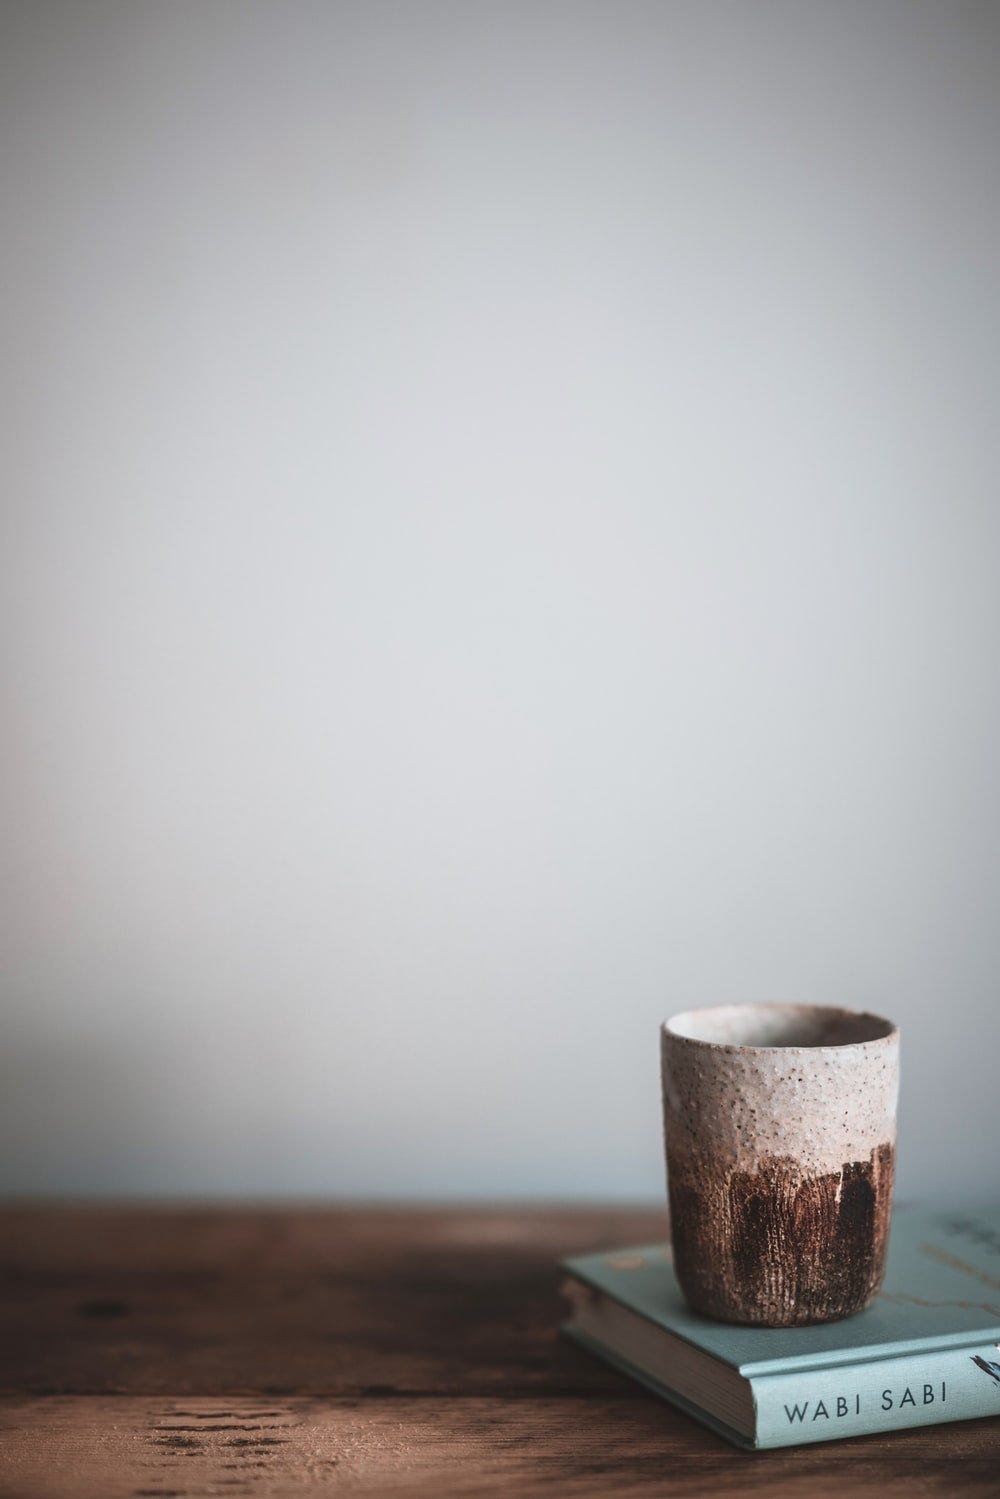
(500, 544)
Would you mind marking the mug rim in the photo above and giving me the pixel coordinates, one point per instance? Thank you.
(885, 1031)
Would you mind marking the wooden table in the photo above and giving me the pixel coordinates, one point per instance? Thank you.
(170, 1353)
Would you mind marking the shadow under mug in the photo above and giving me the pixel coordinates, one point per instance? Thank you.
(780, 1131)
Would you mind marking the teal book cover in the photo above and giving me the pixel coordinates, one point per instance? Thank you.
(925, 1351)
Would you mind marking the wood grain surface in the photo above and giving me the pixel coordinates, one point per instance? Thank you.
(263, 1352)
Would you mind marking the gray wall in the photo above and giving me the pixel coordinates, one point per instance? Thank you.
(500, 543)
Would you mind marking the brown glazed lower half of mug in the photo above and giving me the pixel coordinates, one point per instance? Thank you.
(776, 1246)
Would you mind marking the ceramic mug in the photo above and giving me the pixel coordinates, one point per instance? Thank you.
(780, 1129)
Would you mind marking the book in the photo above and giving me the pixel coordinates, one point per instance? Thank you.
(927, 1350)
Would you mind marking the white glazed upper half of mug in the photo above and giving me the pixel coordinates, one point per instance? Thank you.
(735, 1089)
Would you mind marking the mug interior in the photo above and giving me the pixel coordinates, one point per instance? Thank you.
(779, 1025)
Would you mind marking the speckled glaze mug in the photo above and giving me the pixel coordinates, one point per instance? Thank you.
(780, 1129)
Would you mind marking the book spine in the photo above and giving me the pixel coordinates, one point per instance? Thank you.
(819, 1405)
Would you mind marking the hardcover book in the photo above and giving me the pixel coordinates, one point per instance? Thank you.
(927, 1350)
